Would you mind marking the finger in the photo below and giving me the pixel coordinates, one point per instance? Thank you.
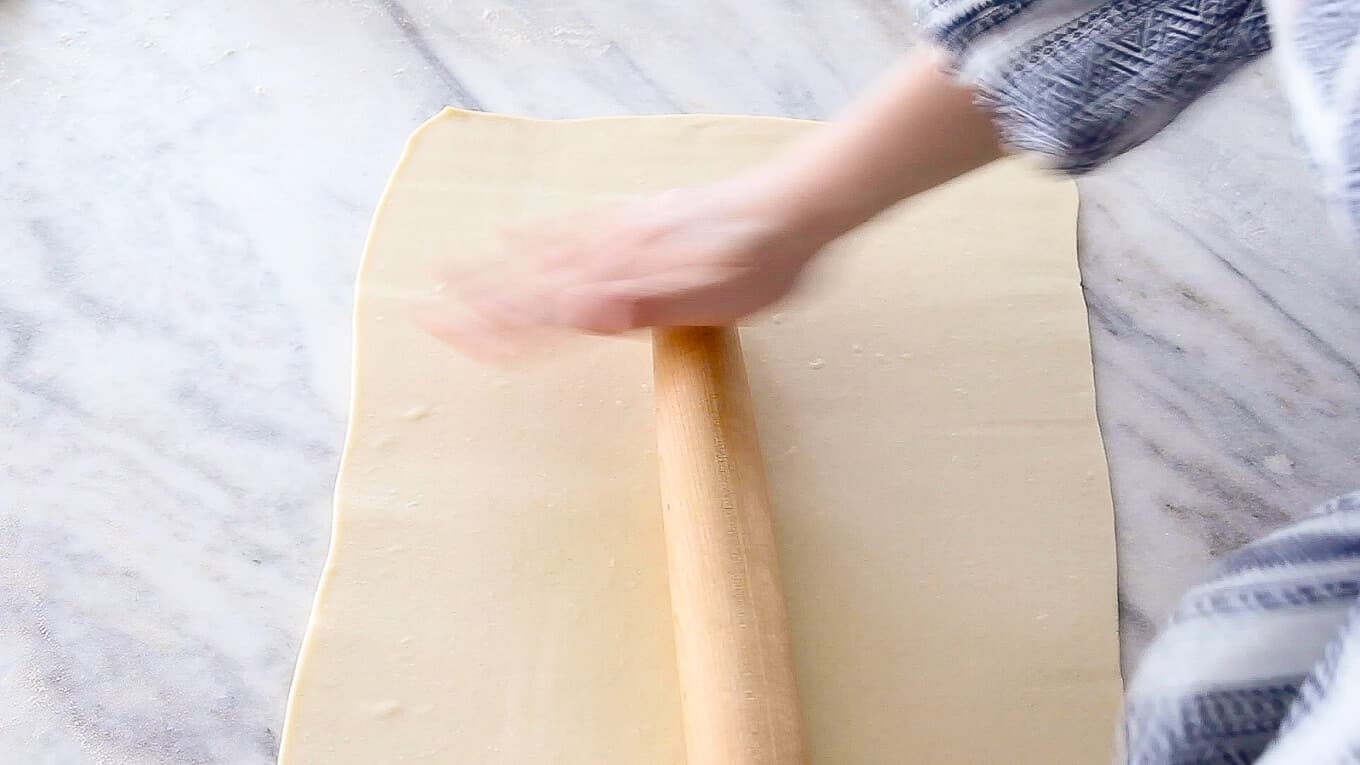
(593, 308)
(512, 300)
(493, 311)
(520, 252)
(597, 247)
(539, 249)
(462, 330)
(564, 243)
(675, 299)
(702, 297)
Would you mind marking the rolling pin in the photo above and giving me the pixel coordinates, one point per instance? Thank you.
(739, 697)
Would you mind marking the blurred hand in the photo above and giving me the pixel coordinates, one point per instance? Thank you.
(703, 256)
(714, 254)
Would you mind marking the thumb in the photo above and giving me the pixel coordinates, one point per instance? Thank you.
(611, 308)
(607, 308)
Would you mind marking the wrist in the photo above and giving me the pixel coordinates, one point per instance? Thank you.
(799, 205)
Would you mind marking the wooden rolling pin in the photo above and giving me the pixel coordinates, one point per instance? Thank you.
(738, 692)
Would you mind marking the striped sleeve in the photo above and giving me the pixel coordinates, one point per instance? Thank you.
(1080, 81)
(1261, 663)
(1318, 46)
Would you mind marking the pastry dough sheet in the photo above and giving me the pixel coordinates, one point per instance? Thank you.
(496, 586)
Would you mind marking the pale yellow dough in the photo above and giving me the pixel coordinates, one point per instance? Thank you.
(496, 587)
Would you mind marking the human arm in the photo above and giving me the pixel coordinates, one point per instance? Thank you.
(713, 254)
(1075, 81)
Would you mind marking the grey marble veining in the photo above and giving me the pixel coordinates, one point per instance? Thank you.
(184, 190)
(1225, 317)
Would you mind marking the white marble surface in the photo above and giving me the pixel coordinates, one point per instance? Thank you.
(184, 191)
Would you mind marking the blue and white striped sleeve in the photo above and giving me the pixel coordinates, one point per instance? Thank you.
(1260, 664)
(1080, 81)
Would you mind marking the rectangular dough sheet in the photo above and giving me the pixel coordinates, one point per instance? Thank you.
(496, 586)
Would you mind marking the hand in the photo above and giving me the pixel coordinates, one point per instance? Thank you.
(714, 254)
(703, 256)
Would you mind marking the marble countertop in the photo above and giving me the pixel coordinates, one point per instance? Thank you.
(186, 189)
